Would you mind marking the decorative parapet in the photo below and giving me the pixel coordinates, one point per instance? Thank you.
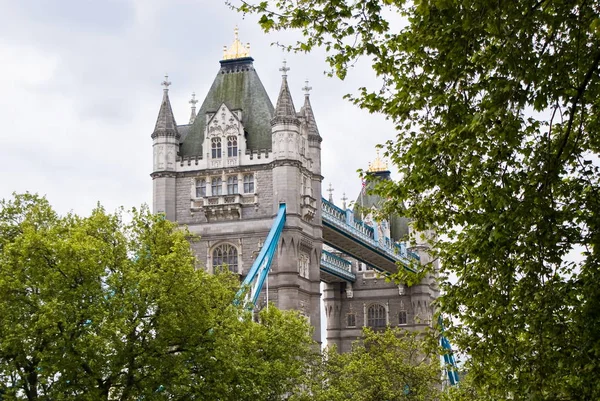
(189, 160)
(261, 153)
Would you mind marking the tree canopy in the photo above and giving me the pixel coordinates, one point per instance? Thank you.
(392, 365)
(496, 108)
(97, 308)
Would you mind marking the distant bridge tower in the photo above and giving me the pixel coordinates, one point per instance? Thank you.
(369, 300)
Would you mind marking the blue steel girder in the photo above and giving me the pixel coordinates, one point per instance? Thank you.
(258, 274)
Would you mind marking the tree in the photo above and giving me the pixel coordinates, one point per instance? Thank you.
(95, 308)
(496, 107)
(387, 365)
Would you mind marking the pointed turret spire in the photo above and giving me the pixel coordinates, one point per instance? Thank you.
(285, 105)
(165, 123)
(308, 112)
(193, 103)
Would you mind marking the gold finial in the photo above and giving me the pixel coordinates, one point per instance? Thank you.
(237, 49)
(377, 165)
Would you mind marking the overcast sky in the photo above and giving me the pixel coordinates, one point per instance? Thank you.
(80, 83)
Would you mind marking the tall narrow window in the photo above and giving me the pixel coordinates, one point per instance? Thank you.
(232, 149)
(225, 255)
(402, 317)
(216, 148)
(200, 187)
(351, 319)
(249, 183)
(376, 316)
(216, 186)
(232, 185)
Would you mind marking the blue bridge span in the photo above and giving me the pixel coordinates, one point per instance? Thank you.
(351, 236)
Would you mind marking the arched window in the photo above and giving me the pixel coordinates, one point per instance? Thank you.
(200, 187)
(232, 149)
(216, 186)
(225, 255)
(376, 316)
(402, 317)
(351, 319)
(249, 183)
(232, 185)
(216, 148)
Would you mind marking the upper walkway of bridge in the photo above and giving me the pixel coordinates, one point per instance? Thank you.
(351, 236)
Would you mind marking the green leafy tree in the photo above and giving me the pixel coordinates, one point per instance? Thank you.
(496, 107)
(95, 308)
(388, 365)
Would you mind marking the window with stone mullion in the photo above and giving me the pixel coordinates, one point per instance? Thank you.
(216, 186)
(402, 317)
(226, 255)
(376, 316)
(249, 183)
(232, 146)
(351, 320)
(216, 148)
(232, 185)
(200, 188)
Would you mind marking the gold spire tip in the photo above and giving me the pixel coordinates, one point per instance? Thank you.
(237, 49)
(377, 165)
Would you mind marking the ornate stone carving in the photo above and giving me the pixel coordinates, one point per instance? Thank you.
(349, 290)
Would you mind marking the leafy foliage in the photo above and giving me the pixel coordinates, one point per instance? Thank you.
(388, 365)
(94, 308)
(496, 106)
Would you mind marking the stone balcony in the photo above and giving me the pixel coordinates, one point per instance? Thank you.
(223, 207)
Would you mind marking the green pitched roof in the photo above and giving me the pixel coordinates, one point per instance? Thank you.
(238, 86)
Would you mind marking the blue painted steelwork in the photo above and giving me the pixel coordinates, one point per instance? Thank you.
(257, 276)
(451, 368)
(337, 266)
(345, 223)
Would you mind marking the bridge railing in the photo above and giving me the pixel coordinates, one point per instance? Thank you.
(337, 264)
(345, 221)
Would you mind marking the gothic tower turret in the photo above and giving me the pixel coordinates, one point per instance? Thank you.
(165, 146)
(296, 277)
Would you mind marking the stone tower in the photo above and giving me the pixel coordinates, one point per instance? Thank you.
(237, 160)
